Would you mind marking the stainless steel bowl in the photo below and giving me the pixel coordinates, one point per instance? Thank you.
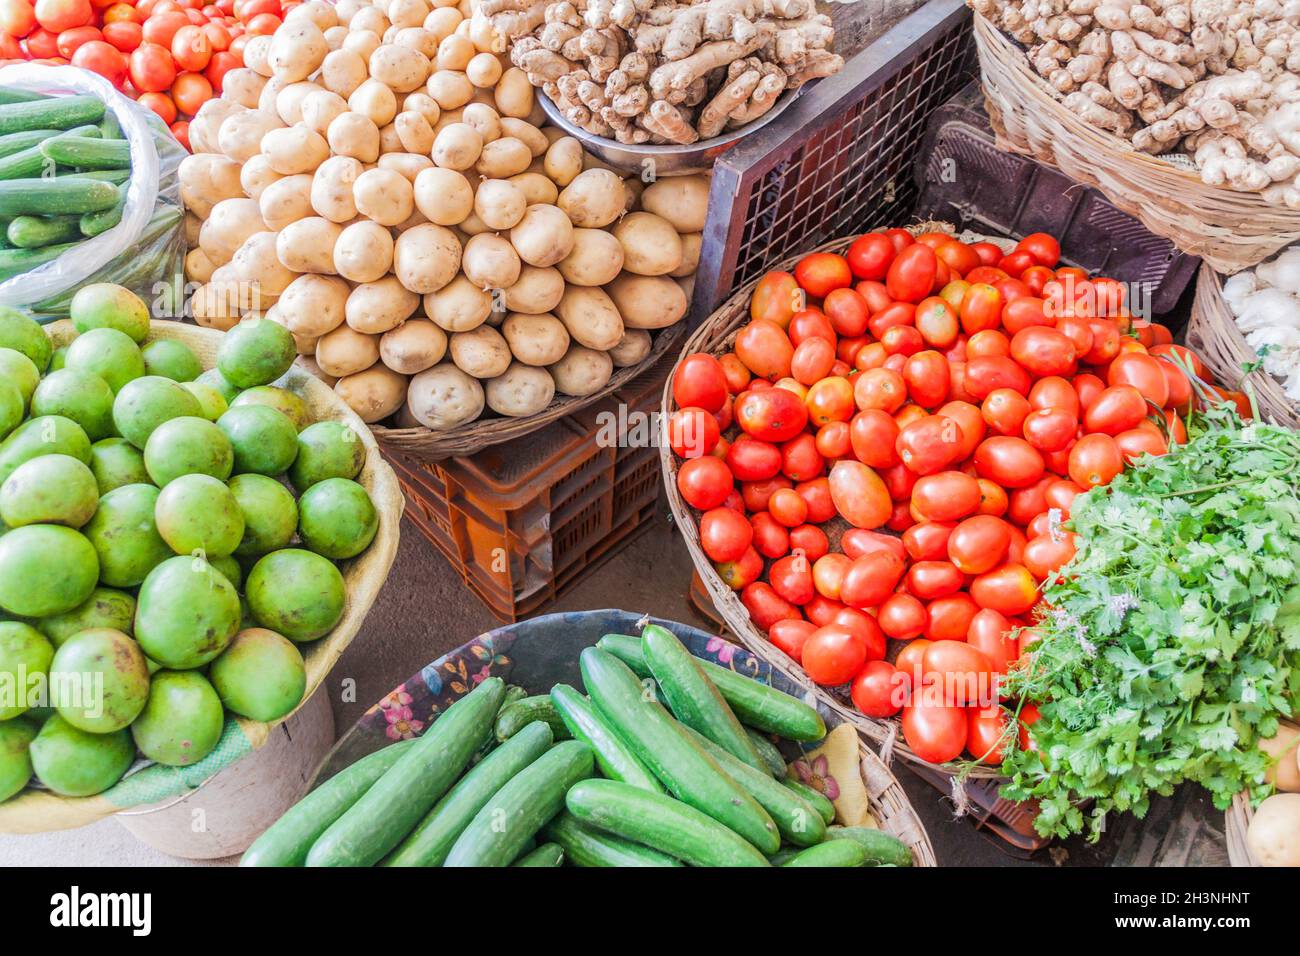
(670, 160)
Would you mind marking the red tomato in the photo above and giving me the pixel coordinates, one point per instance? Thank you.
(869, 256)
(1137, 442)
(871, 578)
(830, 400)
(811, 541)
(929, 444)
(817, 494)
(725, 535)
(828, 573)
(1094, 460)
(832, 655)
(985, 733)
(892, 315)
(757, 493)
(1055, 392)
(70, 40)
(859, 494)
(822, 610)
(1016, 263)
(880, 388)
(264, 24)
(958, 256)
(705, 482)
(776, 298)
(928, 540)
(1029, 715)
(693, 433)
(122, 13)
(935, 733)
(1004, 410)
(1043, 351)
(161, 104)
(700, 381)
(217, 35)
(791, 578)
(987, 373)
(1011, 462)
(151, 68)
(1010, 589)
(990, 633)
(810, 323)
(102, 58)
(981, 308)
(879, 690)
(812, 360)
(126, 35)
(979, 544)
(788, 507)
(181, 130)
(821, 273)
(765, 349)
(873, 434)
(1042, 248)
(190, 91)
(17, 18)
(766, 607)
(847, 311)
(800, 460)
(1045, 555)
(772, 414)
(928, 580)
(912, 273)
(1050, 429)
(902, 617)
(59, 15)
(1115, 410)
(926, 375)
(948, 618)
(790, 636)
(945, 496)
(855, 542)
(753, 460)
(161, 28)
(936, 320)
(191, 48)
(864, 626)
(771, 539)
(1143, 372)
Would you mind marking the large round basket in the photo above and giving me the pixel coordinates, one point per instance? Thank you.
(424, 444)
(1228, 229)
(1213, 332)
(39, 810)
(543, 651)
(715, 336)
(1236, 823)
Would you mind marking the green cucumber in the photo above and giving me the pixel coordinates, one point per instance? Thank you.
(692, 697)
(12, 143)
(843, 853)
(56, 112)
(86, 152)
(523, 712)
(430, 842)
(662, 745)
(548, 854)
(109, 127)
(55, 196)
(523, 806)
(783, 855)
(377, 822)
(93, 223)
(584, 846)
(17, 261)
(615, 758)
(13, 94)
(799, 821)
(31, 162)
(882, 848)
(772, 759)
(756, 704)
(32, 232)
(513, 693)
(659, 821)
(820, 802)
(287, 840)
(115, 176)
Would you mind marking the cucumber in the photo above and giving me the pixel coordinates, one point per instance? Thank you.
(834, 853)
(55, 112)
(513, 693)
(662, 745)
(820, 802)
(523, 712)
(12, 94)
(32, 232)
(55, 196)
(115, 176)
(109, 127)
(94, 223)
(87, 152)
(757, 705)
(17, 261)
(653, 819)
(799, 822)
(430, 842)
(377, 822)
(12, 143)
(522, 807)
(784, 855)
(548, 854)
(772, 759)
(287, 841)
(692, 697)
(584, 846)
(615, 759)
(882, 848)
(31, 162)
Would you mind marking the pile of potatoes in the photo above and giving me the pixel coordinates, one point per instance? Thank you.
(379, 179)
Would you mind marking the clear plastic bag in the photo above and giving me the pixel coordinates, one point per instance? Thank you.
(145, 251)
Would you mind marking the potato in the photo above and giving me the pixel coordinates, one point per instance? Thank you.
(389, 141)
(444, 195)
(369, 18)
(331, 188)
(318, 12)
(288, 101)
(481, 352)
(537, 188)
(216, 305)
(443, 397)
(408, 165)
(484, 119)
(648, 302)
(514, 94)
(345, 351)
(446, 118)
(346, 9)
(343, 71)
(564, 160)
(256, 59)
(455, 52)
(526, 133)
(384, 196)
(490, 262)
(596, 258)
(632, 349)
(1274, 834)
(313, 305)
(1282, 747)
(375, 101)
(651, 246)
(503, 157)
(355, 135)
(442, 21)
(373, 394)
(190, 226)
(334, 37)
(426, 106)
(285, 201)
(459, 306)
(294, 149)
(419, 39)
(206, 179)
(582, 371)
(483, 70)
(691, 244)
(594, 198)
(243, 86)
(400, 68)
(682, 200)
(320, 108)
(499, 204)
(363, 251)
(687, 285)
(375, 307)
(231, 222)
(198, 267)
(407, 13)
(413, 346)
(426, 257)
(240, 134)
(536, 291)
(450, 90)
(207, 124)
(297, 49)
(270, 93)
(457, 146)
(544, 236)
(591, 317)
(414, 132)
(308, 245)
(535, 339)
(521, 391)
(472, 225)
(363, 43)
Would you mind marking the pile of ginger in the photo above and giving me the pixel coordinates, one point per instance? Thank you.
(658, 71)
(1215, 80)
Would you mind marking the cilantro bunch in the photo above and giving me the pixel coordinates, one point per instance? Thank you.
(1173, 646)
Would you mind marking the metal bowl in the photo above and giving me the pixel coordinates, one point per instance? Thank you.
(672, 160)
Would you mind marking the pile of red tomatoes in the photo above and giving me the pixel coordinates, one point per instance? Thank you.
(170, 54)
(936, 406)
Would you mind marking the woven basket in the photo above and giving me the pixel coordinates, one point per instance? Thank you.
(1236, 823)
(1230, 230)
(715, 336)
(426, 445)
(364, 576)
(1212, 331)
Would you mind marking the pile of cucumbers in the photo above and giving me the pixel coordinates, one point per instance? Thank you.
(664, 762)
(64, 172)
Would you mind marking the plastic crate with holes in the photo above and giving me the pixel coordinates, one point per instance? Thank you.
(525, 521)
